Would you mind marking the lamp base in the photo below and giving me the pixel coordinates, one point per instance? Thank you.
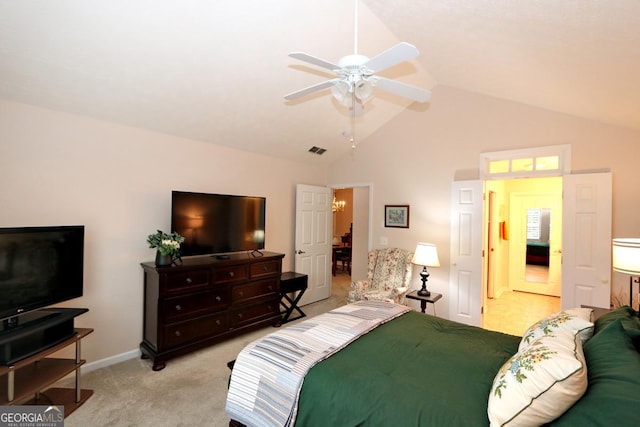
(424, 274)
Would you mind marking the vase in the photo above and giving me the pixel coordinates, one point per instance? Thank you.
(163, 260)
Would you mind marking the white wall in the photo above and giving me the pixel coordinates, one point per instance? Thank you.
(61, 169)
(414, 158)
(360, 243)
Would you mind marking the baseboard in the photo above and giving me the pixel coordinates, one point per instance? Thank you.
(108, 361)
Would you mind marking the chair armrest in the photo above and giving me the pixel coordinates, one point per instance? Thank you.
(358, 289)
(360, 285)
(399, 291)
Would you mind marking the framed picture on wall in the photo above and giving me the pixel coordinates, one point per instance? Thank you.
(396, 216)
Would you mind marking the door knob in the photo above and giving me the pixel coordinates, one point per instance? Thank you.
(300, 252)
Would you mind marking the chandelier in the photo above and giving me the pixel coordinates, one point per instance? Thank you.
(337, 205)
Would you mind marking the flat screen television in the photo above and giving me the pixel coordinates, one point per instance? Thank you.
(218, 223)
(39, 266)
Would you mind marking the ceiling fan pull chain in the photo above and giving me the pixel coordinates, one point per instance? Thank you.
(353, 120)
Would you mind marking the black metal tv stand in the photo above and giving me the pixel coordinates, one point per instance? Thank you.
(26, 371)
(36, 331)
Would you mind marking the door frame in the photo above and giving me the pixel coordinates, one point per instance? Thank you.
(356, 262)
(536, 154)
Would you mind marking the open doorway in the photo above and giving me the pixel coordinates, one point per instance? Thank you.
(586, 232)
(524, 246)
(353, 225)
(342, 244)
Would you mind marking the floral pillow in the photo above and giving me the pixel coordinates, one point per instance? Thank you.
(576, 320)
(540, 382)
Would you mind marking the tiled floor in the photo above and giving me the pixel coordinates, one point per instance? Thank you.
(514, 311)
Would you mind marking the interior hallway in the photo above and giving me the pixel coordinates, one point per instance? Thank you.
(515, 311)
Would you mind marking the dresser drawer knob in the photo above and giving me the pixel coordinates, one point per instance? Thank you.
(241, 293)
(240, 315)
(188, 280)
(265, 268)
(218, 322)
(178, 333)
(178, 307)
(218, 298)
(270, 287)
(231, 274)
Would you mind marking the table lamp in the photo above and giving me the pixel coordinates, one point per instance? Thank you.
(425, 255)
(626, 259)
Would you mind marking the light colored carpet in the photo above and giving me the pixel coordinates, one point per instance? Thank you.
(190, 391)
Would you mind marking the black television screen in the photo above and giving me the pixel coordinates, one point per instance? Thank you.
(217, 223)
(39, 266)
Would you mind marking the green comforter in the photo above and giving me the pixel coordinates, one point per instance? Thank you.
(417, 370)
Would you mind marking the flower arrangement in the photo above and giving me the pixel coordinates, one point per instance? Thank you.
(166, 244)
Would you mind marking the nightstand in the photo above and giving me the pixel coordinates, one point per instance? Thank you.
(424, 300)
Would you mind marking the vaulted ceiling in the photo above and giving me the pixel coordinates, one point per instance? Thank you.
(217, 71)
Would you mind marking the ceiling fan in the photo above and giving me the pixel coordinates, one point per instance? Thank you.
(356, 74)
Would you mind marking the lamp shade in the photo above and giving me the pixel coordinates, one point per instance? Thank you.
(426, 254)
(626, 256)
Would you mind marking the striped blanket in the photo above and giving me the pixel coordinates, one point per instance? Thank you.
(268, 373)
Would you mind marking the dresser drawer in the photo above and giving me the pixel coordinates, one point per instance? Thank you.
(252, 313)
(230, 274)
(176, 308)
(192, 330)
(187, 280)
(254, 291)
(267, 268)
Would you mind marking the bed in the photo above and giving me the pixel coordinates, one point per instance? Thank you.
(416, 369)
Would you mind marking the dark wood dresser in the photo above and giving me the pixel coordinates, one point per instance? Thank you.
(205, 300)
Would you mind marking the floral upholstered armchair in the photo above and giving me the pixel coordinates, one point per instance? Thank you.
(388, 277)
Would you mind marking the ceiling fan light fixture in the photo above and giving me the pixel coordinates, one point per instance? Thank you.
(341, 91)
(364, 90)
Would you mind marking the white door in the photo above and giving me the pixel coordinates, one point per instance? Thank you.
(535, 278)
(465, 277)
(313, 240)
(586, 263)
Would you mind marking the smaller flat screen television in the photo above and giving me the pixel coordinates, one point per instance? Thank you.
(39, 266)
(218, 223)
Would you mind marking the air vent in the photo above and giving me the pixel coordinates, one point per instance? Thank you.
(317, 150)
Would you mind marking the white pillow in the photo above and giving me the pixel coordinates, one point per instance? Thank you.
(540, 382)
(576, 320)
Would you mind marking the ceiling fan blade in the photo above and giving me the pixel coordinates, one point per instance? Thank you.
(402, 89)
(399, 53)
(310, 89)
(315, 61)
